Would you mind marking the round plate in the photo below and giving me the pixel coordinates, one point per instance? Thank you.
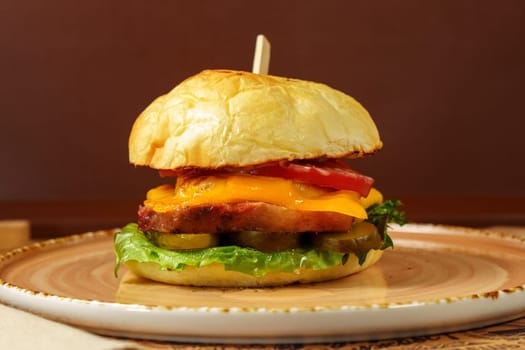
(437, 279)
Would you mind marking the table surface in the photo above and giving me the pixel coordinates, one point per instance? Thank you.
(508, 335)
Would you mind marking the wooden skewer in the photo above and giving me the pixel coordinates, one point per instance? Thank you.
(261, 59)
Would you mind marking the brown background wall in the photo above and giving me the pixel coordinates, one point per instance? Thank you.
(444, 81)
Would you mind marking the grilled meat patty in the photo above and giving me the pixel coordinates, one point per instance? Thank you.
(244, 216)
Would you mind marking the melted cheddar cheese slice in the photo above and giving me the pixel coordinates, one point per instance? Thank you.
(237, 188)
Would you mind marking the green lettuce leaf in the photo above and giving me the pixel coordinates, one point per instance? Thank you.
(132, 244)
(383, 214)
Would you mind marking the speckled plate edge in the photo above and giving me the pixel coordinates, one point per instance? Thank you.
(261, 325)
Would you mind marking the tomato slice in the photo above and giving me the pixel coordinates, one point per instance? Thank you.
(168, 173)
(331, 173)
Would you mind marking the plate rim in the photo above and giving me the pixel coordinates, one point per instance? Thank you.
(104, 317)
(421, 228)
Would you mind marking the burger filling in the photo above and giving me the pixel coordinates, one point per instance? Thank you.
(279, 217)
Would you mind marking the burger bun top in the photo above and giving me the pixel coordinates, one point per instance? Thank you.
(223, 118)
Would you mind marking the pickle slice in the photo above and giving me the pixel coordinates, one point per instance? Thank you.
(183, 241)
(361, 237)
(266, 241)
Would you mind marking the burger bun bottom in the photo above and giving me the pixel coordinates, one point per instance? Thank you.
(214, 275)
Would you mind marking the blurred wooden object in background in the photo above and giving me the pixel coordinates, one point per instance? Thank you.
(14, 233)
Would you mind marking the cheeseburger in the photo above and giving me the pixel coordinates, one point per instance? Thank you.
(258, 188)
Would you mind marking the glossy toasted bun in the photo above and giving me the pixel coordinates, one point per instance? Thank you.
(232, 118)
(214, 275)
